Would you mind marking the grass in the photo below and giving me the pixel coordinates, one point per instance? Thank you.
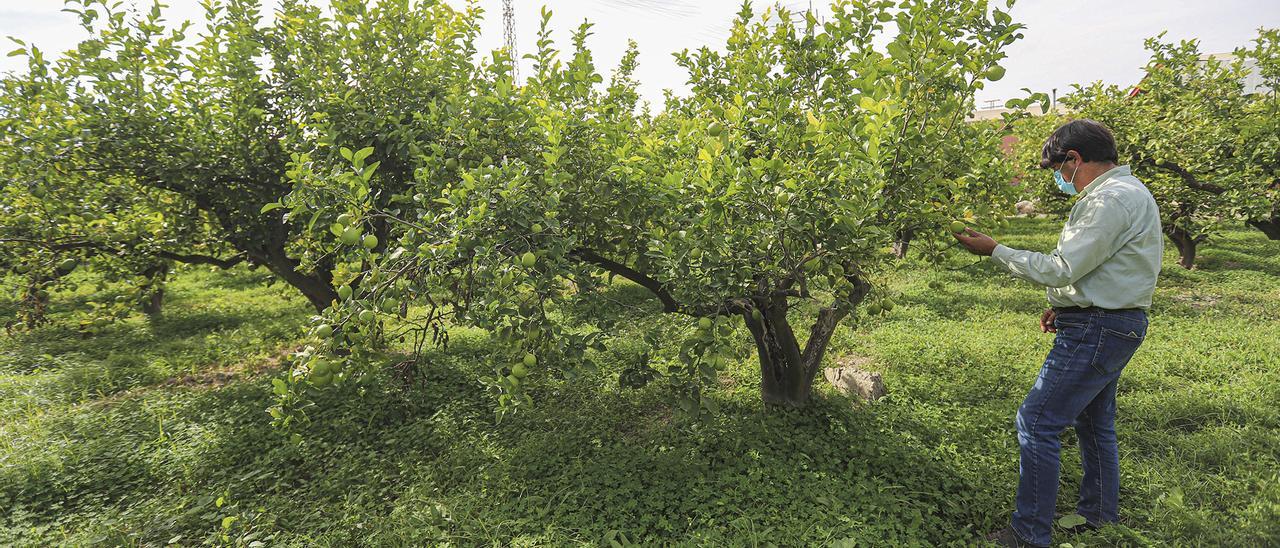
(100, 443)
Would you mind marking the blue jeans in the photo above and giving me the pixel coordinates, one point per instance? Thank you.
(1076, 386)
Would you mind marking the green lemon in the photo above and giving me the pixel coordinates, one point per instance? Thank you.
(344, 292)
(370, 241)
(366, 316)
(519, 371)
(528, 259)
(716, 361)
(324, 331)
(995, 73)
(704, 323)
(530, 360)
(320, 368)
(350, 236)
(957, 227)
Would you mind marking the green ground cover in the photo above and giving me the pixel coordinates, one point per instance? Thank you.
(155, 432)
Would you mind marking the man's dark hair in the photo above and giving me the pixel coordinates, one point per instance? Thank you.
(1091, 139)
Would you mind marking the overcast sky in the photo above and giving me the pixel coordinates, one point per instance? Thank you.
(1066, 42)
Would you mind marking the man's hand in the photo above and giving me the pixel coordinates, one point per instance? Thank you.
(976, 242)
(1046, 321)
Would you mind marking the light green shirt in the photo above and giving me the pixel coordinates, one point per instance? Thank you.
(1109, 252)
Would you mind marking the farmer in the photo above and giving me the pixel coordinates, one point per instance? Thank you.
(1100, 280)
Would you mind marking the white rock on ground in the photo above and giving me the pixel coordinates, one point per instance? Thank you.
(849, 377)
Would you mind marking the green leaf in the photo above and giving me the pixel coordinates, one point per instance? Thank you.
(271, 206)
(369, 170)
(314, 217)
(361, 154)
(1071, 521)
(898, 50)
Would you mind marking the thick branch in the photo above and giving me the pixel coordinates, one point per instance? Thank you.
(204, 259)
(669, 303)
(828, 318)
(820, 336)
(1270, 227)
(1187, 177)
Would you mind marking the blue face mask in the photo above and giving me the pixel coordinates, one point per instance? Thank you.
(1064, 185)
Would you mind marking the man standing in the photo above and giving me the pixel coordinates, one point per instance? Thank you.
(1100, 280)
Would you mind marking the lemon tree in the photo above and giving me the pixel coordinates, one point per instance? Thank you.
(802, 154)
(1193, 134)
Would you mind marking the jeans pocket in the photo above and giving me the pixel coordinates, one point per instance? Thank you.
(1063, 324)
(1073, 343)
(1115, 348)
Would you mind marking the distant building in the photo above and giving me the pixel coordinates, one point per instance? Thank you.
(1253, 82)
(993, 113)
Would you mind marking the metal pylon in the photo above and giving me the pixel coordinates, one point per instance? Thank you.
(509, 24)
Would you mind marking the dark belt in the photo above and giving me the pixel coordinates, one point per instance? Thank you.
(1091, 309)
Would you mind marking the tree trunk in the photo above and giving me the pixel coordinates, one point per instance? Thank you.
(787, 371)
(1186, 246)
(317, 287)
(785, 379)
(36, 309)
(902, 241)
(1270, 227)
(153, 291)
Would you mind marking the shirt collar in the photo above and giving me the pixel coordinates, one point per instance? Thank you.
(1118, 171)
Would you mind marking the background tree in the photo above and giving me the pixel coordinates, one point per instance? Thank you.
(1179, 132)
(1036, 184)
(195, 118)
(1259, 135)
(57, 217)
